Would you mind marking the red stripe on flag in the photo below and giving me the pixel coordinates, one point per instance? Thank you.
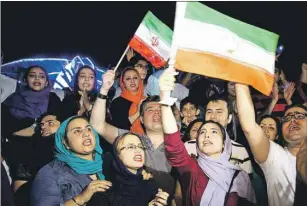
(147, 52)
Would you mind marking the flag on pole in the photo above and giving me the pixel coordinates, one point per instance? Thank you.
(153, 40)
(209, 43)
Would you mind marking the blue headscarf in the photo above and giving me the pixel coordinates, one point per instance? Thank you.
(79, 165)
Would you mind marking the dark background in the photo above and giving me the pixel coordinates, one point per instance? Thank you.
(102, 30)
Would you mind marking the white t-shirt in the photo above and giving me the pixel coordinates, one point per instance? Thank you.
(280, 173)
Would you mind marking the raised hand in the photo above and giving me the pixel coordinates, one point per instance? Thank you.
(130, 54)
(288, 92)
(160, 199)
(107, 80)
(275, 91)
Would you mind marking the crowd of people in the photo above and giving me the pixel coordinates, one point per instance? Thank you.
(121, 145)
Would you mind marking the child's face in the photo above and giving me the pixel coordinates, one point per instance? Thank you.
(189, 110)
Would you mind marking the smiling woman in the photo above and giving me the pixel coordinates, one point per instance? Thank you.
(81, 100)
(125, 109)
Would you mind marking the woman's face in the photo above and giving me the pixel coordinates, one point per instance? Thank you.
(131, 152)
(231, 89)
(141, 67)
(37, 79)
(210, 140)
(269, 127)
(131, 80)
(194, 130)
(86, 80)
(81, 138)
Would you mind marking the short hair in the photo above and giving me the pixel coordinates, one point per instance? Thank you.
(39, 120)
(154, 98)
(186, 101)
(223, 98)
(295, 105)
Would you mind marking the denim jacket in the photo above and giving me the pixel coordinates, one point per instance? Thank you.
(57, 183)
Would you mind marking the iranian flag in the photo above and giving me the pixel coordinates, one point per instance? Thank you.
(153, 40)
(209, 43)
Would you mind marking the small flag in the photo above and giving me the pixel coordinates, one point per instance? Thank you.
(210, 43)
(153, 40)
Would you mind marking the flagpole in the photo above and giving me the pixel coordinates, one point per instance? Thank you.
(118, 63)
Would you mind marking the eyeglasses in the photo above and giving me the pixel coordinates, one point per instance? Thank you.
(296, 115)
(132, 147)
(141, 66)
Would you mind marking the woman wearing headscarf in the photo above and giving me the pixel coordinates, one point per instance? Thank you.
(31, 99)
(19, 112)
(128, 185)
(76, 173)
(125, 109)
(210, 179)
(81, 100)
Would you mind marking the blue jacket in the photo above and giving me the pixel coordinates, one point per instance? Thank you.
(57, 183)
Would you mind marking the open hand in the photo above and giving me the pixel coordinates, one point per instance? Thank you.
(288, 92)
(130, 54)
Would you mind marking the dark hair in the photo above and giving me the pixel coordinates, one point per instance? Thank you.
(218, 124)
(39, 120)
(186, 101)
(186, 137)
(154, 98)
(76, 83)
(26, 74)
(295, 105)
(278, 126)
(223, 98)
(135, 60)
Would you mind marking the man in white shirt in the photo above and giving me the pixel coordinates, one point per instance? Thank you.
(277, 163)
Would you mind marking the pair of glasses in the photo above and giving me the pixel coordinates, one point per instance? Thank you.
(296, 115)
(133, 147)
(141, 66)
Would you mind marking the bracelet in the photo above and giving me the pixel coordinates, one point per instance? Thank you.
(73, 199)
(101, 96)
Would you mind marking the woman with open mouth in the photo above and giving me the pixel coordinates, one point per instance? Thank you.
(77, 171)
(129, 187)
(32, 98)
(211, 179)
(81, 100)
(125, 109)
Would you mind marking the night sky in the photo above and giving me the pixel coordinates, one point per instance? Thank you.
(102, 30)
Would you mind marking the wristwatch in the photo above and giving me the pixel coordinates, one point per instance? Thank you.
(101, 96)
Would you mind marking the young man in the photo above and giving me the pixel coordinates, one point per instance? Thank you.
(277, 163)
(219, 110)
(150, 113)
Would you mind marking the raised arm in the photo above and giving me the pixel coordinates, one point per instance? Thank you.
(256, 138)
(304, 73)
(175, 149)
(107, 131)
